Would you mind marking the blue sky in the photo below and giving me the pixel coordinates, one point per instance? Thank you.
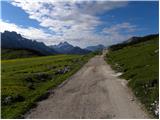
(80, 23)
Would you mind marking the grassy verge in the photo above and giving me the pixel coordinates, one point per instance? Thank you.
(139, 64)
(24, 81)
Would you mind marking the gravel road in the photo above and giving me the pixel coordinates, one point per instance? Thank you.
(95, 91)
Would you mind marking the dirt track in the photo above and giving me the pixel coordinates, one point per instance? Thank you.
(95, 91)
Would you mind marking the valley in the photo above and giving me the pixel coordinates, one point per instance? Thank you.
(30, 80)
(79, 59)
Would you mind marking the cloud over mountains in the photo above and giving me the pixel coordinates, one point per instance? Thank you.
(73, 21)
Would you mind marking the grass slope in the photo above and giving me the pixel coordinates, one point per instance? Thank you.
(18, 53)
(24, 81)
(140, 66)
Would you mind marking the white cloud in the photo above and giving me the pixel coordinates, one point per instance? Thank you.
(57, 15)
(122, 27)
(119, 32)
(71, 20)
(29, 32)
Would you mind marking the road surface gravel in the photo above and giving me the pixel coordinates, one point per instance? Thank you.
(95, 91)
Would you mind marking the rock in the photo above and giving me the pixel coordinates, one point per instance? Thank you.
(58, 72)
(116, 64)
(63, 71)
(155, 107)
(119, 74)
(156, 111)
(132, 99)
(66, 69)
(11, 99)
(7, 100)
(156, 51)
(147, 65)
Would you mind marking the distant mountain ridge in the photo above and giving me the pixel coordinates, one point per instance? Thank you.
(95, 48)
(132, 41)
(12, 40)
(66, 48)
(62, 47)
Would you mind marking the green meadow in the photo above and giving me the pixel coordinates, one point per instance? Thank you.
(27, 80)
(18, 53)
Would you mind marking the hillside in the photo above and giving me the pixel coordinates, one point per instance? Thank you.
(132, 41)
(28, 80)
(18, 53)
(12, 40)
(138, 61)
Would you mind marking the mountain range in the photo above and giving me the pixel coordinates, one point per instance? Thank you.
(12, 40)
(66, 48)
(95, 48)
